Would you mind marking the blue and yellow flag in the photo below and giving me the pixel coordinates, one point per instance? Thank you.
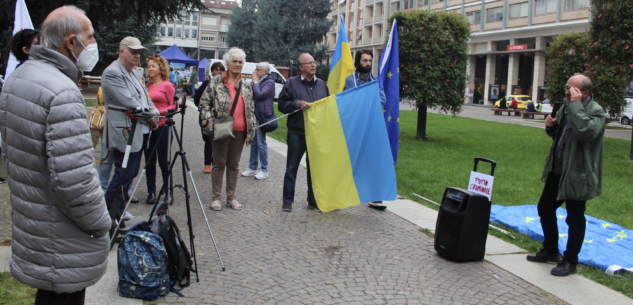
(389, 80)
(342, 63)
(350, 159)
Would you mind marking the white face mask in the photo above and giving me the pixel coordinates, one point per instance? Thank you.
(88, 58)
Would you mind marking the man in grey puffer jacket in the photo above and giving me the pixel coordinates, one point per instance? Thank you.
(60, 224)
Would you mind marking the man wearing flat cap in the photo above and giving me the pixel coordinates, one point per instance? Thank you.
(123, 87)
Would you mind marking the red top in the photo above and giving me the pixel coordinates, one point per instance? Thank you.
(514, 103)
(163, 97)
(239, 116)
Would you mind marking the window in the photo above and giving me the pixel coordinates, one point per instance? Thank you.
(278, 78)
(178, 32)
(408, 4)
(518, 10)
(170, 31)
(223, 40)
(207, 38)
(494, 14)
(194, 33)
(179, 21)
(474, 17)
(545, 6)
(162, 31)
(423, 2)
(437, 1)
(360, 35)
(186, 33)
(195, 20)
(188, 20)
(571, 5)
(395, 7)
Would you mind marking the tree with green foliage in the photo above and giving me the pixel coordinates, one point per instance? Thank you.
(433, 51)
(112, 20)
(566, 56)
(611, 53)
(241, 32)
(285, 29)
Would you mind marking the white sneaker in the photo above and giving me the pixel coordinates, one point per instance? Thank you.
(127, 216)
(263, 174)
(249, 173)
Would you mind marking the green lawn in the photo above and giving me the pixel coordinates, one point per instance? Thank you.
(446, 159)
(90, 102)
(14, 292)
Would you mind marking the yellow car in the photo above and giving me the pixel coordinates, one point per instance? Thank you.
(521, 99)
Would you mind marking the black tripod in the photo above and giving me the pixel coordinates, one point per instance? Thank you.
(185, 188)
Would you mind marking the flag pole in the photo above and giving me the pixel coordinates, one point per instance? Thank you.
(283, 116)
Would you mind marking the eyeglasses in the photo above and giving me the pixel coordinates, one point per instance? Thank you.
(218, 69)
(308, 63)
(135, 52)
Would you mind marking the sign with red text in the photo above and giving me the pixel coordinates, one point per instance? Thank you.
(517, 47)
(481, 184)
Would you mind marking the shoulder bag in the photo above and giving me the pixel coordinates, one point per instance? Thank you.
(223, 127)
(97, 115)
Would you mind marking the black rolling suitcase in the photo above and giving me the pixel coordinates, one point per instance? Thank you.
(462, 223)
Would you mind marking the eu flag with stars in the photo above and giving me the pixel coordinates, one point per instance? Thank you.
(389, 81)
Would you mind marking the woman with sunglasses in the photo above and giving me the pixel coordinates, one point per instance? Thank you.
(162, 92)
(217, 69)
(21, 43)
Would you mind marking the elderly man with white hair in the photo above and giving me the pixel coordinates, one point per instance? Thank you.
(263, 95)
(60, 223)
(231, 95)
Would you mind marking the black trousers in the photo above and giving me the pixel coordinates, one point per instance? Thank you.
(208, 150)
(576, 221)
(45, 297)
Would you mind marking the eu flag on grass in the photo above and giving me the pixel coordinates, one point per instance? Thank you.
(389, 80)
(350, 159)
(342, 63)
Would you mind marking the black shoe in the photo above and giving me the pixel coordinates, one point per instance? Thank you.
(564, 268)
(134, 200)
(542, 256)
(151, 198)
(2, 181)
(313, 206)
(377, 205)
(287, 207)
(169, 199)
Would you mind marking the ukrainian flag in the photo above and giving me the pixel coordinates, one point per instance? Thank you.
(342, 62)
(348, 147)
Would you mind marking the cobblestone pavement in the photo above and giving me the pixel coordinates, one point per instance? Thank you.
(353, 256)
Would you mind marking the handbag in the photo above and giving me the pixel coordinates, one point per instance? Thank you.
(97, 115)
(223, 127)
(270, 127)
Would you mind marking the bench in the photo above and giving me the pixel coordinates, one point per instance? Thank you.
(528, 115)
(499, 111)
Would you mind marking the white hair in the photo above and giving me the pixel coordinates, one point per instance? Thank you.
(233, 53)
(263, 65)
(54, 31)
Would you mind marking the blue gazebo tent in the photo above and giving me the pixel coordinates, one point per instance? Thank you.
(202, 66)
(174, 55)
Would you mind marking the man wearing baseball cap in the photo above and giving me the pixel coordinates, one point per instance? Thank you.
(123, 87)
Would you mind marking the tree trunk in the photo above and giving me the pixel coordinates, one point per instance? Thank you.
(421, 134)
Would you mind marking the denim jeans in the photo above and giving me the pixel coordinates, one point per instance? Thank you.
(162, 151)
(133, 166)
(296, 148)
(576, 221)
(259, 148)
(105, 168)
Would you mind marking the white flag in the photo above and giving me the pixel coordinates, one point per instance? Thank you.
(22, 21)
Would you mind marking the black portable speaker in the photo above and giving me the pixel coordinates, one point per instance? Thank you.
(462, 225)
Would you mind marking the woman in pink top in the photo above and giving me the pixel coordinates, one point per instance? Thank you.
(162, 92)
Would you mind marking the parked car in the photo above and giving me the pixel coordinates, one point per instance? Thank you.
(627, 113)
(546, 106)
(521, 99)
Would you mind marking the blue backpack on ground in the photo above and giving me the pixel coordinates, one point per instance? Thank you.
(142, 264)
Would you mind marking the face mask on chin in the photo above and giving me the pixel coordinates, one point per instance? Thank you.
(88, 57)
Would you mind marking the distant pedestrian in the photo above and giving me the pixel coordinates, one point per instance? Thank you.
(298, 93)
(362, 75)
(572, 173)
(193, 80)
(60, 239)
(217, 69)
(263, 95)
(172, 76)
(22, 42)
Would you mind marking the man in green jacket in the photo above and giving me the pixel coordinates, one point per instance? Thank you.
(572, 174)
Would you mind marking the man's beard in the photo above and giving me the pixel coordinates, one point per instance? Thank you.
(364, 70)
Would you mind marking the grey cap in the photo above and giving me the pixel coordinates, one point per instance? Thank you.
(132, 43)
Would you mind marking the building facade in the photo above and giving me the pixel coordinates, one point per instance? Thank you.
(199, 34)
(509, 38)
